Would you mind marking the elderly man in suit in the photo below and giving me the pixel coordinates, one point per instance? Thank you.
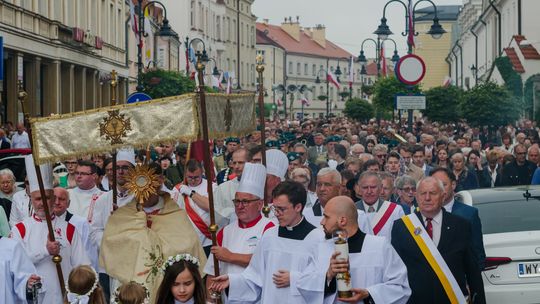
(436, 247)
(467, 212)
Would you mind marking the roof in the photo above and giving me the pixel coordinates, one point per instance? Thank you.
(306, 45)
(262, 38)
(444, 12)
(514, 59)
(528, 50)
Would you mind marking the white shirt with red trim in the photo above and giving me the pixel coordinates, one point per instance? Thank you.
(201, 189)
(386, 229)
(238, 238)
(32, 233)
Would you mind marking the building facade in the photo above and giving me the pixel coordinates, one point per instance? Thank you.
(434, 51)
(63, 52)
(487, 30)
(297, 57)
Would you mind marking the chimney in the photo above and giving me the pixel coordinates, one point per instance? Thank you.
(265, 21)
(319, 35)
(292, 28)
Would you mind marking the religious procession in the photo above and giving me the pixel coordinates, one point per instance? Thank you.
(222, 206)
(203, 198)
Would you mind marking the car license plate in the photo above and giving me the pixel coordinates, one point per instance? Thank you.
(527, 270)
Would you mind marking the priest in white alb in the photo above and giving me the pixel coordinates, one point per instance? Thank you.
(282, 255)
(377, 273)
(17, 273)
(33, 235)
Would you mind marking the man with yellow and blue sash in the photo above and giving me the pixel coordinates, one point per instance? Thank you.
(436, 247)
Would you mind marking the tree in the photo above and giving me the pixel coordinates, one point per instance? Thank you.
(160, 83)
(385, 90)
(489, 104)
(359, 109)
(442, 104)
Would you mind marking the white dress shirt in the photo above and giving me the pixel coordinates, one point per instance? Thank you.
(436, 223)
(448, 207)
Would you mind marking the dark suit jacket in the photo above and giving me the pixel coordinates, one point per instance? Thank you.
(5, 145)
(455, 247)
(471, 215)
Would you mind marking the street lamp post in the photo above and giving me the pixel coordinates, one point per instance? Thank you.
(164, 31)
(318, 80)
(383, 30)
(378, 45)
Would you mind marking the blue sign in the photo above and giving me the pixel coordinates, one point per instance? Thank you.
(138, 96)
(1, 58)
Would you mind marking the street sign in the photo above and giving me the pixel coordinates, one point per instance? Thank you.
(138, 96)
(410, 69)
(411, 102)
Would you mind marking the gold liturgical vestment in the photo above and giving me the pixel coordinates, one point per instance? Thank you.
(130, 251)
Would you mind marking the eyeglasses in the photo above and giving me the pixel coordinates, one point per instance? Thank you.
(244, 202)
(277, 210)
(82, 173)
(408, 189)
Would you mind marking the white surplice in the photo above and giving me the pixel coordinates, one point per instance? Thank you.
(82, 202)
(15, 270)
(223, 196)
(32, 233)
(363, 220)
(377, 268)
(272, 254)
(21, 207)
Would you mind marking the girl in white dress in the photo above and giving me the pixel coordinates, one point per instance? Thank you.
(182, 282)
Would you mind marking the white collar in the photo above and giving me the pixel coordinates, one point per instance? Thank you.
(449, 206)
(291, 228)
(437, 218)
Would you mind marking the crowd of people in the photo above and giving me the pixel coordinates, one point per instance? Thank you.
(388, 186)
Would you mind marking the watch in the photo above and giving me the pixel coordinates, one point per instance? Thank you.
(192, 192)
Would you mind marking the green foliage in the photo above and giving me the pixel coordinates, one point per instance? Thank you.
(160, 83)
(489, 104)
(268, 109)
(442, 103)
(322, 97)
(511, 78)
(385, 90)
(528, 96)
(367, 89)
(359, 109)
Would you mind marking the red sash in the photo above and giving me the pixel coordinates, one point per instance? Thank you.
(377, 228)
(196, 219)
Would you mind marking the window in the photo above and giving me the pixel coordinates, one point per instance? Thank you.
(233, 39)
(228, 67)
(314, 70)
(305, 68)
(218, 28)
(298, 68)
(192, 15)
(44, 8)
(57, 10)
(112, 28)
(81, 14)
(290, 68)
(27, 4)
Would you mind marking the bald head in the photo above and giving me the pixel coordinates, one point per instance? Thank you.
(343, 206)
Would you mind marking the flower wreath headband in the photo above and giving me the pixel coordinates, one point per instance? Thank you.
(74, 298)
(116, 296)
(177, 258)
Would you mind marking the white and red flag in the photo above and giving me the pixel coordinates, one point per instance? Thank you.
(330, 77)
(134, 23)
(305, 101)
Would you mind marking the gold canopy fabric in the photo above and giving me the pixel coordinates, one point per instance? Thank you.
(129, 249)
(59, 137)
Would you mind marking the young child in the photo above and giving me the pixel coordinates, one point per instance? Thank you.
(83, 286)
(182, 281)
(131, 293)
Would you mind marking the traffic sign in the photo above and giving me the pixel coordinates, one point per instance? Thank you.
(410, 69)
(411, 102)
(138, 96)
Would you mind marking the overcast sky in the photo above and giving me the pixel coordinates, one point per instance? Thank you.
(348, 22)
